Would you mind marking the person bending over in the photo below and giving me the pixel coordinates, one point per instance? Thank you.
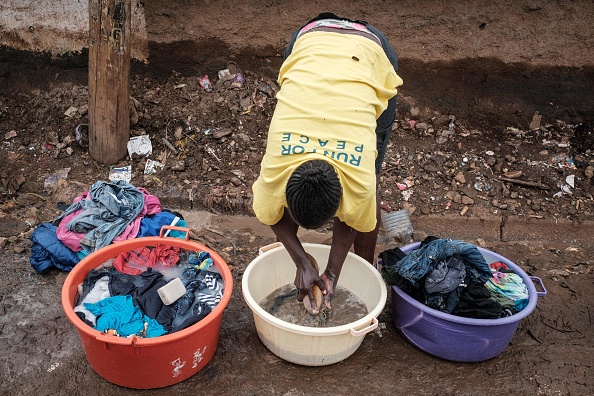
(326, 144)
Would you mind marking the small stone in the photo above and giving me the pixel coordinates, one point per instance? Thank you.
(425, 210)
(535, 207)
(19, 249)
(441, 121)
(61, 278)
(467, 200)
(499, 165)
(177, 166)
(422, 126)
(460, 178)
(535, 123)
(71, 112)
(454, 196)
(589, 172)
(481, 242)
(513, 174)
(222, 132)
(178, 132)
(3, 242)
(235, 181)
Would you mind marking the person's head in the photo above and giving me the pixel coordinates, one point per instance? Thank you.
(313, 193)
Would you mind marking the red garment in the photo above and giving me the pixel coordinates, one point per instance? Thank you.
(498, 264)
(135, 262)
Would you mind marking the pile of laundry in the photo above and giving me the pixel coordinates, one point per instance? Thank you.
(453, 277)
(108, 212)
(149, 292)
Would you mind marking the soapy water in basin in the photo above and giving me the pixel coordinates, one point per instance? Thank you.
(346, 308)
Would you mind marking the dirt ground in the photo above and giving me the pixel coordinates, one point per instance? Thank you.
(483, 132)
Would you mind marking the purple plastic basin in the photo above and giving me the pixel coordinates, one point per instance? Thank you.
(454, 337)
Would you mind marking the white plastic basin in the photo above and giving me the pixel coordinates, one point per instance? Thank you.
(311, 346)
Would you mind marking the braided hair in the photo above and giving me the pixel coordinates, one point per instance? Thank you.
(313, 193)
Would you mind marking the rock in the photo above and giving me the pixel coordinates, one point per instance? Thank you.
(454, 196)
(235, 181)
(499, 165)
(243, 137)
(65, 191)
(178, 132)
(535, 123)
(3, 242)
(441, 121)
(19, 249)
(133, 116)
(589, 172)
(460, 178)
(513, 174)
(222, 132)
(177, 166)
(71, 112)
(471, 192)
(415, 112)
(421, 126)
(467, 200)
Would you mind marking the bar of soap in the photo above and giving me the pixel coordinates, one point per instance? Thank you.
(172, 291)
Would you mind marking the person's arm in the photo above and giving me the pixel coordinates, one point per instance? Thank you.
(343, 237)
(306, 276)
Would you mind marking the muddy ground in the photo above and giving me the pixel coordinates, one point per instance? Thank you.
(492, 138)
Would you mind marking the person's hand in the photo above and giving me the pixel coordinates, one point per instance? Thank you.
(329, 279)
(306, 278)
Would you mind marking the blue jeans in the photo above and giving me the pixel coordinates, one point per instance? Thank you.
(384, 123)
(422, 261)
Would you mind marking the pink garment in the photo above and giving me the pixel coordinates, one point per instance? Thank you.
(152, 206)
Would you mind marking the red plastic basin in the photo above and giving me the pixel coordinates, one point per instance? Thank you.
(147, 363)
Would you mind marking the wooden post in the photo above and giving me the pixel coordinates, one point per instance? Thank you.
(109, 79)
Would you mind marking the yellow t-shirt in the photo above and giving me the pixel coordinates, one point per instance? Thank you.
(333, 88)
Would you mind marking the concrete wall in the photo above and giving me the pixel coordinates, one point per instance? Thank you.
(543, 32)
(59, 26)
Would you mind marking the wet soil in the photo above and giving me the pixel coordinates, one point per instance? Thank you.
(549, 354)
(483, 132)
